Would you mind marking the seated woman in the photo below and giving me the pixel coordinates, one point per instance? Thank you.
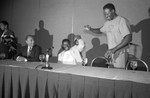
(65, 56)
(72, 55)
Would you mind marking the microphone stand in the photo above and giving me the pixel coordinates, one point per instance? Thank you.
(47, 64)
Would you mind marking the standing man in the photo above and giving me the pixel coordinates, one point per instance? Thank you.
(29, 52)
(117, 31)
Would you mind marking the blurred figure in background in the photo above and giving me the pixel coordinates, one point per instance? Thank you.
(8, 43)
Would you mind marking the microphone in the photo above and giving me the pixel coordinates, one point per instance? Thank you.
(47, 65)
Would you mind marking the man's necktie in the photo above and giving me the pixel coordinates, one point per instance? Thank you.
(29, 51)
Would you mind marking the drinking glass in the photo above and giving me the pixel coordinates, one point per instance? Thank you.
(133, 65)
(42, 57)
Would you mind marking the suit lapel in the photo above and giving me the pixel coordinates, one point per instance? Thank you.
(32, 51)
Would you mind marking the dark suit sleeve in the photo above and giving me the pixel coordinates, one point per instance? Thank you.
(20, 52)
(35, 56)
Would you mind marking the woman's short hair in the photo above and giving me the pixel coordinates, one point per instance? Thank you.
(109, 6)
(66, 40)
(5, 23)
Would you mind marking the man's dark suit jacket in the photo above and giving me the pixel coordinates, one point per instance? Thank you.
(35, 52)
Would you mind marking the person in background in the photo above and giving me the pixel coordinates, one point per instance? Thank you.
(8, 44)
(118, 33)
(29, 52)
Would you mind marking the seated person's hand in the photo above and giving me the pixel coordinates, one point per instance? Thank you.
(2, 55)
(20, 58)
(85, 60)
(108, 54)
(87, 27)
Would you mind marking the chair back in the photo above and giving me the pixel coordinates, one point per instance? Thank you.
(141, 65)
(99, 62)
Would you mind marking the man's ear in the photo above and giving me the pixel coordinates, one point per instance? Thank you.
(26, 41)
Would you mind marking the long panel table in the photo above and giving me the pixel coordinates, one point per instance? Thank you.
(22, 80)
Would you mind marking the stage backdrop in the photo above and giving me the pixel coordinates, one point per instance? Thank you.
(53, 20)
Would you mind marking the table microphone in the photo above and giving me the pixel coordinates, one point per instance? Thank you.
(47, 65)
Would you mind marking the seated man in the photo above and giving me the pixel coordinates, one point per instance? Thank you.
(65, 56)
(29, 52)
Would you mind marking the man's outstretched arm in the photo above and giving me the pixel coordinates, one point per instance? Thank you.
(94, 30)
